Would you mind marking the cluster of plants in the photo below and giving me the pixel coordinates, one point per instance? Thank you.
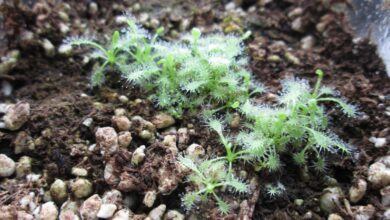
(200, 71)
(178, 76)
(297, 126)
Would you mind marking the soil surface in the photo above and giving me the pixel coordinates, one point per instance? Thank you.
(289, 38)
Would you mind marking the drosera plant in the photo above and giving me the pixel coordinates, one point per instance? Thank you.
(208, 177)
(131, 44)
(298, 123)
(187, 74)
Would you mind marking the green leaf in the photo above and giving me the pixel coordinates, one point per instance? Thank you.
(196, 33)
(115, 39)
(223, 207)
(235, 105)
(237, 185)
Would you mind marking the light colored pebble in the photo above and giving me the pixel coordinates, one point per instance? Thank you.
(58, 191)
(149, 198)
(330, 199)
(378, 142)
(334, 216)
(107, 139)
(90, 208)
(23, 166)
(48, 47)
(47, 211)
(123, 214)
(65, 50)
(124, 139)
(379, 174)
(106, 211)
(170, 143)
(357, 192)
(81, 188)
(7, 166)
(123, 99)
(157, 213)
(78, 171)
(307, 43)
(173, 215)
(385, 193)
(93, 8)
(138, 155)
(16, 116)
(195, 151)
(162, 120)
(121, 123)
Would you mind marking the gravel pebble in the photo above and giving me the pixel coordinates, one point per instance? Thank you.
(7, 166)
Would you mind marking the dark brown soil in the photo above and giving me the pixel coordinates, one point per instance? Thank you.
(54, 87)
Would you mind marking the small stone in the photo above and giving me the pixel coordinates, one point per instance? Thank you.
(183, 138)
(63, 15)
(109, 176)
(297, 24)
(274, 58)
(386, 214)
(195, 151)
(379, 174)
(230, 6)
(48, 47)
(23, 167)
(123, 99)
(47, 211)
(235, 123)
(77, 171)
(16, 116)
(363, 212)
(121, 123)
(295, 12)
(357, 192)
(124, 139)
(163, 120)
(90, 208)
(334, 216)
(299, 202)
(173, 215)
(112, 197)
(150, 197)
(7, 166)
(138, 155)
(146, 135)
(69, 210)
(121, 19)
(378, 142)
(120, 112)
(65, 50)
(107, 138)
(64, 28)
(291, 58)
(157, 213)
(166, 182)
(6, 88)
(136, 7)
(81, 188)
(385, 193)
(330, 199)
(307, 43)
(23, 215)
(23, 143)
(123, 214)
(154, 23)
(170, 143)
(143, 17)
(58, 191)
(93, 8)
(106, 211)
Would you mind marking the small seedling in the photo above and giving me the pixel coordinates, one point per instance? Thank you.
(208, 177)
